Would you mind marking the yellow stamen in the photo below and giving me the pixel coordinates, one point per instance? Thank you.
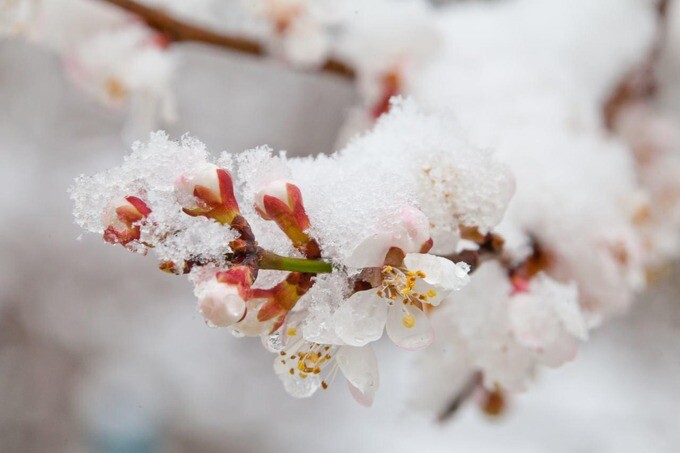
(409, 321)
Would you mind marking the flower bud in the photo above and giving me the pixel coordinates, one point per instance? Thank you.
(221, 304)
(120, 220)
(207, 190)
(281, 202)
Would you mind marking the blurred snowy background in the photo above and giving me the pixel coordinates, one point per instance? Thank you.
(101, 352)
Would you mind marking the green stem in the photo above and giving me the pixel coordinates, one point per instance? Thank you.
(269, 260)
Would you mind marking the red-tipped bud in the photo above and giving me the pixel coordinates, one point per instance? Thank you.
(121, 220)
(281, 202)
(282, 298)
(239, 276)
(208, 191)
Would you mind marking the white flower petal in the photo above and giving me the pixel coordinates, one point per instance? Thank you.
(360, 368)
(418, 336)
(413, 231)
(365, 399)
(441, 275)
(371, 251)
(361, 318)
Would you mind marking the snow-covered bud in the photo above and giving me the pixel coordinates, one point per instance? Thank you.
(208, 191)
(281, 202)
(221, 304)
(121, 218)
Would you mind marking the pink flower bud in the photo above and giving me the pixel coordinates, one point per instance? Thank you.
(221, 304)
(281, 202)
(277, 189)
(207, 190)
(280, 199)
(121, 218)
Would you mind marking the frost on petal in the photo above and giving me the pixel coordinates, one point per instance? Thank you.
(361, 318)
(409, 328)
(360, 368)
(441, 275)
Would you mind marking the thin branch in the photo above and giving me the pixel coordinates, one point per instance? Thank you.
(640, 82)
(177, 30)
(270, 260)
(460, 398)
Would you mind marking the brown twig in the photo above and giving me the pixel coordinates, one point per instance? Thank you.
(460, 398)
(490, 247)
(177, 30)
(640, 82)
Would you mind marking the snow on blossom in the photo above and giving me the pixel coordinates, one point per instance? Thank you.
(558, 187)
(507, 336)
(222, 220)
(534, 92)
(465, 185)
(150, 174)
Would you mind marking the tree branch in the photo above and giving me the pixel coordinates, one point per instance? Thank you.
(177, 30)
(641, 81)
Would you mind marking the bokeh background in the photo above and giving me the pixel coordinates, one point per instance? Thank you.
(100, 352)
